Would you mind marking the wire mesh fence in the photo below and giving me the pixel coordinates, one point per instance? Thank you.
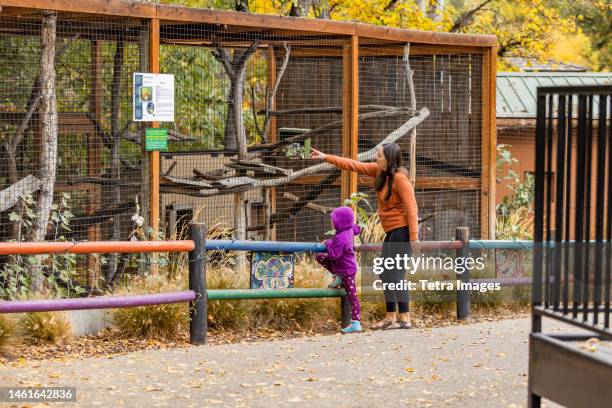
(248, 103)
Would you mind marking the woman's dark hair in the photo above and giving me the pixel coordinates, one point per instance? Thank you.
(393, 154)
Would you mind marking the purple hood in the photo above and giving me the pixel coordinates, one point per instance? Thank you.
(343, 218)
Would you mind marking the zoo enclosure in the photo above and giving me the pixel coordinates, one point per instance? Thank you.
(343, 85)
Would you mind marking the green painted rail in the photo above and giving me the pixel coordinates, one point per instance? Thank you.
(241, 294)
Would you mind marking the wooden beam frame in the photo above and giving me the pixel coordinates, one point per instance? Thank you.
(94, 153)
(154, 159)
(492, 139)
(422, 182)
(350, 112)
(488, 145)
(178, 13)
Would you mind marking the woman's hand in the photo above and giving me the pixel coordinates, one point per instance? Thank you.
(315, 154)
(415, 246)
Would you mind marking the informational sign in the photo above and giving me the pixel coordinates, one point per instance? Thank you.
(156, 139)
(153, 97)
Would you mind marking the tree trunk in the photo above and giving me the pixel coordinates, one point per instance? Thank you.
(49, 130)
(235, 133)
(409, 74)
(422, 5)
(115, 159)
(436, 10)
(229, 140)
(241, 137)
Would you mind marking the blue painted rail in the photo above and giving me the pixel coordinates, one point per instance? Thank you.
(316, 247)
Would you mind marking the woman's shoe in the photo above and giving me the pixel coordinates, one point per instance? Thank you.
(384, 325)
(354, 327)
(336, 284)
(404, 324)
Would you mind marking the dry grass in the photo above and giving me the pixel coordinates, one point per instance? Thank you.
(49, 327)
(279, 314)
(7, 328)
(153, 322)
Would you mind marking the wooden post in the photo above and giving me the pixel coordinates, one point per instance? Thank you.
(272, 138)
(154, 156)
(463, 296)
(350, 112)
(94, 148)
(198, 315)
(492, 140)
(145, 195)
(487, 195)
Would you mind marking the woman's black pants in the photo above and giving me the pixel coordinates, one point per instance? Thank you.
(397, 242)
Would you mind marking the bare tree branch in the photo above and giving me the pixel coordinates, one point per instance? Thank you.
(317, 168)
(221, 55)
(272, 93)
(408, 72)
(467, 17)
(329, 126)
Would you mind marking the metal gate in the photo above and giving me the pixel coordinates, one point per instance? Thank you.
(572, 247)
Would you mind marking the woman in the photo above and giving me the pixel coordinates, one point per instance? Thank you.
(397, 209)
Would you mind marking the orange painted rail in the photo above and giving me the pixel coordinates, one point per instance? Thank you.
(98, 247)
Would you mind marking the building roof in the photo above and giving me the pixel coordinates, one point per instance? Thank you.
(516, 91)
(534, 65)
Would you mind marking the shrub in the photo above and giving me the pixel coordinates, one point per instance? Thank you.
(7, 328)
(159, 321)
(49, 327)
(226, 314)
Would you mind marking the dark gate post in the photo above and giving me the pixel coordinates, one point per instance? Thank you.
(198, 316)
(463, 296)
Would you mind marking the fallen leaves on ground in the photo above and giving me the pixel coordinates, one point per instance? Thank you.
(108, 343)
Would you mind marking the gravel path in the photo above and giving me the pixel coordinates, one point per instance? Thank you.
(476, 365)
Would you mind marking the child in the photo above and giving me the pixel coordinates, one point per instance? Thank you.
(340, 261)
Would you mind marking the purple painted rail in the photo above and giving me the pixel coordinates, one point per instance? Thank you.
(100, 302)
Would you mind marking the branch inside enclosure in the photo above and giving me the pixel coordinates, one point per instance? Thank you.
(328, 127)
(9, 197)
(324, 109)
(317, 168)
(311, 205)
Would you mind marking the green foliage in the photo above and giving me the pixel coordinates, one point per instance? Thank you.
(359, 201)
(298, 150)
(514, 213)
(15, 274)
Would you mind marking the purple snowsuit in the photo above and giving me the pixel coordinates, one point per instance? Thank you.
(340, 258)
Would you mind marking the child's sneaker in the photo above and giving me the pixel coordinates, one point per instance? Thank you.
(336, 284)
(354, 327)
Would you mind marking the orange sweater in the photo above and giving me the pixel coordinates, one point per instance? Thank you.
(401, 208)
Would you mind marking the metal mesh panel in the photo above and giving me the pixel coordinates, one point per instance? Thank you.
(448, 142)
(98, 173)
(307, 79)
